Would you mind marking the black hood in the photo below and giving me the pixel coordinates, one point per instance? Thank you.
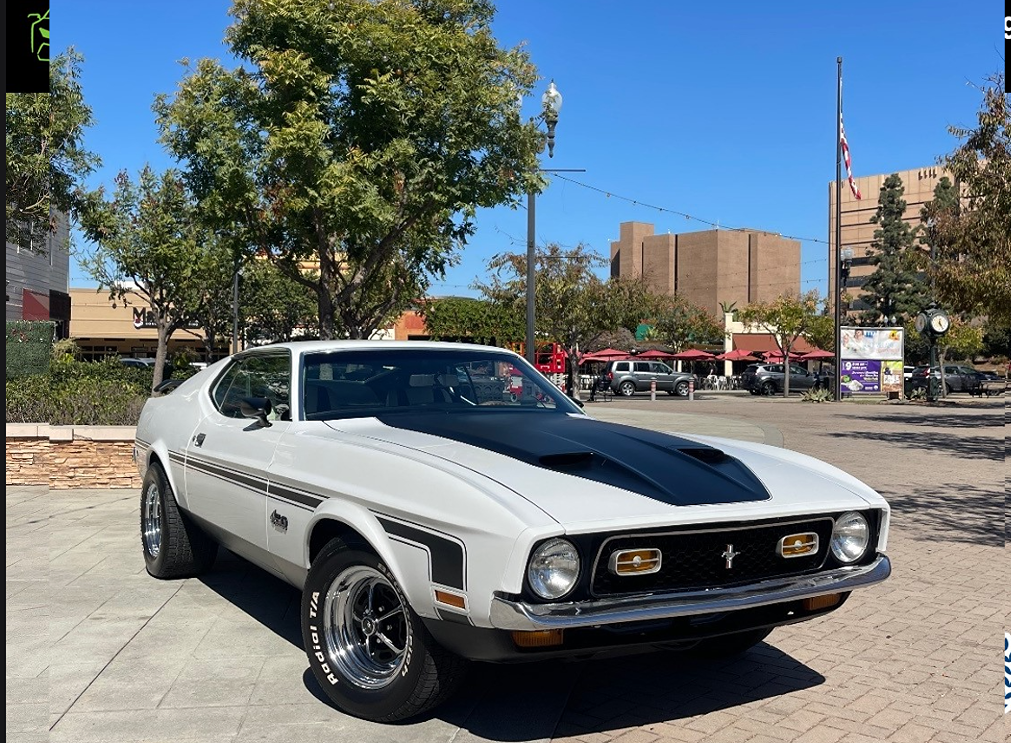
(660, 466)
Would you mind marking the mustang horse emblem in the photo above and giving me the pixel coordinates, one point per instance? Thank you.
(729, 555)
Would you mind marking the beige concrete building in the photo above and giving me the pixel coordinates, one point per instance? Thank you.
(710, 267)
(103, 327)
(858, 230)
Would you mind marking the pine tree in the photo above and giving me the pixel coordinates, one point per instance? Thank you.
(895, 288)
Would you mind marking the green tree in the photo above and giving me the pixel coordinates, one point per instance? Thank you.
(46, 157)
(150, 244)
(787, 318)
(820, 332)
(359, 134)
(473, 320)
(971, 238)
(573, 306)
(275, 308)
(895, 288)
(679, 323)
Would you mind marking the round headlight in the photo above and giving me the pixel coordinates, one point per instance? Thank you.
(553, 569)
(850, 537)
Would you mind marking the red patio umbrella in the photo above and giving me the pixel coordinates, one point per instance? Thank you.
(817, 355)
(608, 354)
(655, 354)
(778, 356)
(738, 354)
(693, 354)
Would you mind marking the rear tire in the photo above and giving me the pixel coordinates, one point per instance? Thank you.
(768, 389)
(626, 389)
(730, 646)
(367, 648)
(174, 547)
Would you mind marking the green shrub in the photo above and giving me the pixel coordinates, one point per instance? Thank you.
(816, 395)
(79, 393)
(29, 346)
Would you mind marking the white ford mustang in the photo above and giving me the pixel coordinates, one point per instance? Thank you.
(441, 502)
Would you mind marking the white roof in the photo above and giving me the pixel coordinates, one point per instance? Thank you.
(302, 347)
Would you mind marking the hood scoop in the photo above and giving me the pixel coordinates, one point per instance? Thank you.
(660, 466)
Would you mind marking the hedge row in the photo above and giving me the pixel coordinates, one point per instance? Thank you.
(79, 393)
(28, 347)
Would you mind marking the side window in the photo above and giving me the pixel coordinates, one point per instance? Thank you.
(794, 369)
(776, 368)
(621, 366)
(642, 366)
(261, 375)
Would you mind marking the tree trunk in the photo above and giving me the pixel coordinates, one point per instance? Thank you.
(573, 373)
(324, 302)
(786, 370)
(161, 354)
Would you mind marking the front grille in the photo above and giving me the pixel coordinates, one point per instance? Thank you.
(695, 559)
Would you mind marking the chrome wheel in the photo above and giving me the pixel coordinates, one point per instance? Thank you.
(151, 519)
(682, 389)
(627, 389)
(366, 627)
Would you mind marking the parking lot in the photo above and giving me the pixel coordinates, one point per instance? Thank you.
(98, 651)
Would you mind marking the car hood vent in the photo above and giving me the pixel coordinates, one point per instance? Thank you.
(660, 466)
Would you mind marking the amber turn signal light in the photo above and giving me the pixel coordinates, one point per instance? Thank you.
(798, 545)
(542, 638)
(451, 599)
(635, 562)
(821, 602)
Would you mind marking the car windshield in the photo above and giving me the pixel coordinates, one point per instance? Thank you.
(358, 384)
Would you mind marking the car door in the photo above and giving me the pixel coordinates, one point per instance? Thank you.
(644, 374)
(800, 378)
(954, 379)
(664, 376)
(228, 456)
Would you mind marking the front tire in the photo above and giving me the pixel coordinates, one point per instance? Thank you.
(366, 646)
(626, 389)
(174, 547)
(681, 389)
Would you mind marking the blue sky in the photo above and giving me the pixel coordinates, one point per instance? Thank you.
(724, 110)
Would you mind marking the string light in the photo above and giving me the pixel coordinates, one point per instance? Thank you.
(666, 210)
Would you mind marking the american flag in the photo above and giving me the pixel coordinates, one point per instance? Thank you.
(846, 157)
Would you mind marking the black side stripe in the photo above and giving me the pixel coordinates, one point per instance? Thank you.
(307, 499)
(255, 484)
(445, 554)
(452, 616)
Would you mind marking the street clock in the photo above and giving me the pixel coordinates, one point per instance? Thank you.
(933, 322)
(939, 323)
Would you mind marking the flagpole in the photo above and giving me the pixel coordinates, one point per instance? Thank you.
(837, 258)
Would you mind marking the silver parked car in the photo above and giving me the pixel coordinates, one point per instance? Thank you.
(768, 379)
(628, 377)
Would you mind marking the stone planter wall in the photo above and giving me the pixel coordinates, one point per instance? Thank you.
(64, 457)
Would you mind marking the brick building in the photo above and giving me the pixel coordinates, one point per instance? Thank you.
(858, 230)
(710, 267)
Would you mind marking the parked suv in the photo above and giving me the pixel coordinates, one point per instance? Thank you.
(768, 379)
(957, 377)
(628, 377)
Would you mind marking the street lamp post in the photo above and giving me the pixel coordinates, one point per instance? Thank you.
(551, 103)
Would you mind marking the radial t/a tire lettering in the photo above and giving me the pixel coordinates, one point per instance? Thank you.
(367, 648)
(174, 547)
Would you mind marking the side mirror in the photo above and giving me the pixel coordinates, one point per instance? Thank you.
(256, 407)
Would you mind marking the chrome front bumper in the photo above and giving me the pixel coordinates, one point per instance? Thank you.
(519, 615)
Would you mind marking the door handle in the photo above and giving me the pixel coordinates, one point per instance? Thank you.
(198, 440)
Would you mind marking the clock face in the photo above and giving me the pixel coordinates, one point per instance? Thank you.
(921, 322)
(939, 323)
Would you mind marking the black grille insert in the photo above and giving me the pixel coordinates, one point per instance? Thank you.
(697, 559)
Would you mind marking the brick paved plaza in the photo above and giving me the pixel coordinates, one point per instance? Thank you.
(99, 651)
